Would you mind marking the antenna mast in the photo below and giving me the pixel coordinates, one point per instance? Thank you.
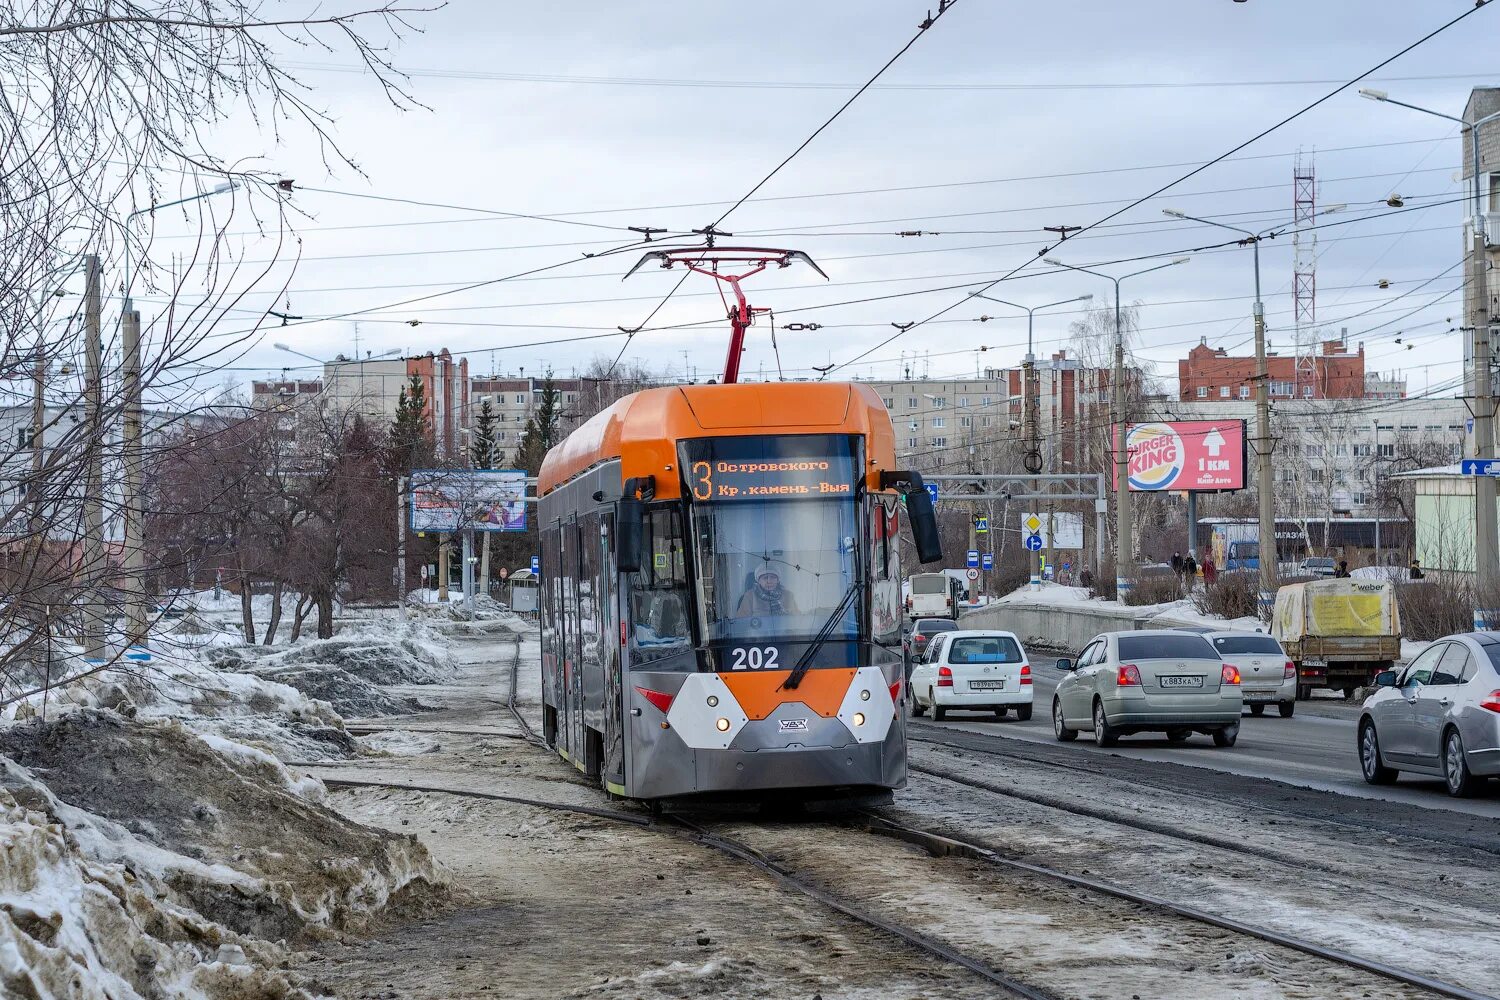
(1304, 275)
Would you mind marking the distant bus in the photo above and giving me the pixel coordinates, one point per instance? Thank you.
(932, 595)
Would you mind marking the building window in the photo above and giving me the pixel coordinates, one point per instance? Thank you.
(570, 397)
(966, 421)
(963, 401)
(1361, 451)
(984, 401)
(890, 405)
(1223, 392)
(25, 437)
(911, 442)
(520, 399)
(911, 402)
(1434, 428)
(1455, 451)
(1282, 389)
(939, 402)
(1244, 392)
(940, 442)
(1340, 450)
(1408, 427)
(1307, 392)
(938, 423)
(500, 436)
(1203, 392)
(1385, 451)
(1313, 450)
(1315, 475)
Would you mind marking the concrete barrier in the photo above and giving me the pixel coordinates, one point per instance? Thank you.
(1061, 626)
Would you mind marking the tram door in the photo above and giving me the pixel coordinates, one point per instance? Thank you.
(553, 631)
(611, 646)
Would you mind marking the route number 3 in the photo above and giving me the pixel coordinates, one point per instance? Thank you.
(755, 658)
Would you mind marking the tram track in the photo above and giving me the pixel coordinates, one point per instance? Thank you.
(979, 743)
(938, 844)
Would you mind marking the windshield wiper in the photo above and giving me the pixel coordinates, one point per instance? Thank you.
(804, 662)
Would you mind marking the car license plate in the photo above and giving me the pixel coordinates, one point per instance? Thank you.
(1180, 682)
(1259, 695)
(987, 685)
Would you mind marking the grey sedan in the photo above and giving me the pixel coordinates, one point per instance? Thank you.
(1151, 680)
(1439, 716)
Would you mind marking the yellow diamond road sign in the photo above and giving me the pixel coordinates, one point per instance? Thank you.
(1033, 523)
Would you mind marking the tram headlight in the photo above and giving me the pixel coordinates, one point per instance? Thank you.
(723, 725)
(864, 695)
(713, 701)
(859, 718)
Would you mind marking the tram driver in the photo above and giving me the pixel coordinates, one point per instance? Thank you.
(766, 595)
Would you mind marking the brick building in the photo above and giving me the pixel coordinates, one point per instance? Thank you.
(1211, 374)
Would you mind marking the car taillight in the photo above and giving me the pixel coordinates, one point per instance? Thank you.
(945, 677)
(1128, 676)
(1025, 673)
(947, 602)
(660, 699)
(1290, 671)
(1491, 701)
(1230, 674)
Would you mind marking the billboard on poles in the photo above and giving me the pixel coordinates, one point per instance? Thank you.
(468, 499)
(1202, 455)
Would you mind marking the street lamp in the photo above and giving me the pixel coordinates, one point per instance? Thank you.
(1486, 533)
(1124, 544)
(1263, 441)
(151, 210)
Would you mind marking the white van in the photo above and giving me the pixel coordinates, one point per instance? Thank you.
(932, 595)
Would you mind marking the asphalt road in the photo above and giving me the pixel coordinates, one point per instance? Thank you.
(1315, 749)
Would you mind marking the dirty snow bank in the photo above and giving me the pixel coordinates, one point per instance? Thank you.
(74, 927)
(220, 828)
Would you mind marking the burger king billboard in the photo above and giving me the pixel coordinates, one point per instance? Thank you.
(1206, 455)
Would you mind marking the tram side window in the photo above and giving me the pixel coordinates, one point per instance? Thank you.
(659, 603)
(885, 571)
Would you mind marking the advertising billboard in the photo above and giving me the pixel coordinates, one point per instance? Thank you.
(1204, 455)
(468, 499)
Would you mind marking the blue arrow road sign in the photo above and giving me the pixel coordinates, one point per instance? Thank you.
(987, 561)
(1033, 543)
(932, 491)
(973, 559)
(1480, 467)
(536, 565)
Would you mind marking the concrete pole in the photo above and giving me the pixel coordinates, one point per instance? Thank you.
(135, 507)
(1486, 531)
(1264, 487)
(467, 570)
(1124, 541)
(94, 618)
(442, 582)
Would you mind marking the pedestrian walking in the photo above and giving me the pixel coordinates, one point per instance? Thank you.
(1416, 570)
(1210, 571)
(1177, 565)
(1190, 571)
(1341, 572)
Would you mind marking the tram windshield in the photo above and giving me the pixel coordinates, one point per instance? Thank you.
(774, 529)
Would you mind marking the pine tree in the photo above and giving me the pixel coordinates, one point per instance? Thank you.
(483, 452)
(410, 440)
(541, 430)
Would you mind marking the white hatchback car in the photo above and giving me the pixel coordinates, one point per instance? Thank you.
(975, 671)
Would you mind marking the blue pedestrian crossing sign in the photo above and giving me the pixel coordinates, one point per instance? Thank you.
(987, 561)
(932, 490)
(1033, 543)
(981, 525)
(973, 559)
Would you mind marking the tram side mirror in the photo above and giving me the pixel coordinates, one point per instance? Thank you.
(630, 534)
(924, 525)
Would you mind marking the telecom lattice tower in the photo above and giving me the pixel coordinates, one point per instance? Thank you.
(1304, 272)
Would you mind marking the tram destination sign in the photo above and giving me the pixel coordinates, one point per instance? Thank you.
(791, 468)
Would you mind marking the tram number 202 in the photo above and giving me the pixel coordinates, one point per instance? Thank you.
(754, 658)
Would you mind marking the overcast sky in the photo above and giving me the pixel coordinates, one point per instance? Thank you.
(1002, 119)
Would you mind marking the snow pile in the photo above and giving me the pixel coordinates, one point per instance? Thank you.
(377, 659)
(73, 927)
(212, 827)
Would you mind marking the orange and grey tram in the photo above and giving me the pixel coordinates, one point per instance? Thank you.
(721, 592)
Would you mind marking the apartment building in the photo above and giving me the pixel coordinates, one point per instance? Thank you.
(1212, 375)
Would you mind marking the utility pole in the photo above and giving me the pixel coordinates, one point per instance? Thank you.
(1264, 445)
(94, 617)
(135, 508)
(442, 587)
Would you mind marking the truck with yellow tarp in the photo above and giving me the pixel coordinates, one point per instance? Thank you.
(1338, 633)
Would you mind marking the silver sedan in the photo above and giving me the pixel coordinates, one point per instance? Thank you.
(1151, 680)
(1439, 715)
